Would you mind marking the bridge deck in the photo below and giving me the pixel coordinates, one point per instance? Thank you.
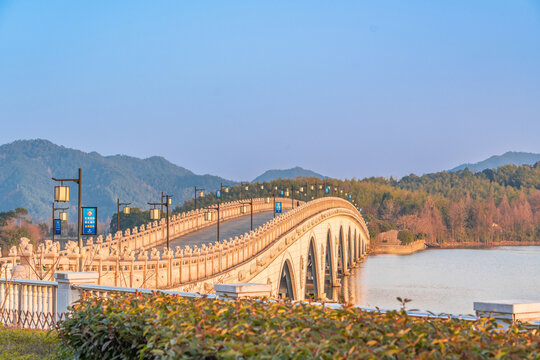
(227, 229)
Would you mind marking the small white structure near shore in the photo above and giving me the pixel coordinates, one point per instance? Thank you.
(513, 310)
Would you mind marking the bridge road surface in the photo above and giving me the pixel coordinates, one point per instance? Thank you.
(227, 229)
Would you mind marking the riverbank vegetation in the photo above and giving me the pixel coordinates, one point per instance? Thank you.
(143, 326)
(452, 207)
(15, 224)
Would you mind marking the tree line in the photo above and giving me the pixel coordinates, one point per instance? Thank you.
(502, 204)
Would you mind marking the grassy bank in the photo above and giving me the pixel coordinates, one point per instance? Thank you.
(17, 344)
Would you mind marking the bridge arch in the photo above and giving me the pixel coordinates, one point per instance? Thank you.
(286, 287)
(350, 259)
(311, 283)
(364, 241)
(330, 274)
(341, 264)
(355, 247)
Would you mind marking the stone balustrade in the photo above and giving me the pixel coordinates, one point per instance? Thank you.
(143, 237)
(118, 263)
(155, 233)
(28, 303)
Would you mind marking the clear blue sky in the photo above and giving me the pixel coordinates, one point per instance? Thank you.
(233, 88)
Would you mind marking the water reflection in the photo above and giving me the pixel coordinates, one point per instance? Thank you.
(444, 280)
(350, 291)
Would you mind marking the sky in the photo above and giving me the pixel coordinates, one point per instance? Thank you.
(234, 88)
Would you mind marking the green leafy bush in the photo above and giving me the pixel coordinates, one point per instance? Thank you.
(406, 237)
(162, 326)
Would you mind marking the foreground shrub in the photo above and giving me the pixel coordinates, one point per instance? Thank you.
(139, 326)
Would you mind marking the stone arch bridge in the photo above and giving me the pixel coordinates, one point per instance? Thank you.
(301, 253)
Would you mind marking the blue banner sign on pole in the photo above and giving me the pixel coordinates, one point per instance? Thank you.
(278, 207)
(89, 220)
(327, 190)
(350, 196)
(218, 194)
(57, 227)
(281, 193)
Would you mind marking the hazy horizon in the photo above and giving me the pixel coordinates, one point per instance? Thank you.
(269, 169)
(234, 89)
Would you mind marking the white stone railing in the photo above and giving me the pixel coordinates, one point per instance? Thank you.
(41, 304)
(169, 268)
(107, 291)
(155, 233)
(143, 237)
(28, 303)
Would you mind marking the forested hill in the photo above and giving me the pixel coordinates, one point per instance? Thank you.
(489, 206)
(26, 168)
(503, 180)
(508, 158)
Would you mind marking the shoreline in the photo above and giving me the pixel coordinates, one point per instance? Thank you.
(480, 245)
(379, 249)
(411, 248)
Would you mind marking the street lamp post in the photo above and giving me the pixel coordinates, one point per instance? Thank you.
(61, 194)
(250, 202)
(199, 191)
(126, 210)
(304, 191)
(316, 187)
(274, 195)
(221, 187)
(63, 217)
(154, 215)
(169, 200)
(244, 187)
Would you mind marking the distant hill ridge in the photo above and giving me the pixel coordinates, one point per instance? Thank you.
(510, 157)
(26, 168)
(286, 174)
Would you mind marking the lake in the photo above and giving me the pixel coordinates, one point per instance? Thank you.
(446, 280)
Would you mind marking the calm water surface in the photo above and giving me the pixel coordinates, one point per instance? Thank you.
(447, 280)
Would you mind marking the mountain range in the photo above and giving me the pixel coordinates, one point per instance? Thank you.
(510, 157)
(292, 173)
(26, 168)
